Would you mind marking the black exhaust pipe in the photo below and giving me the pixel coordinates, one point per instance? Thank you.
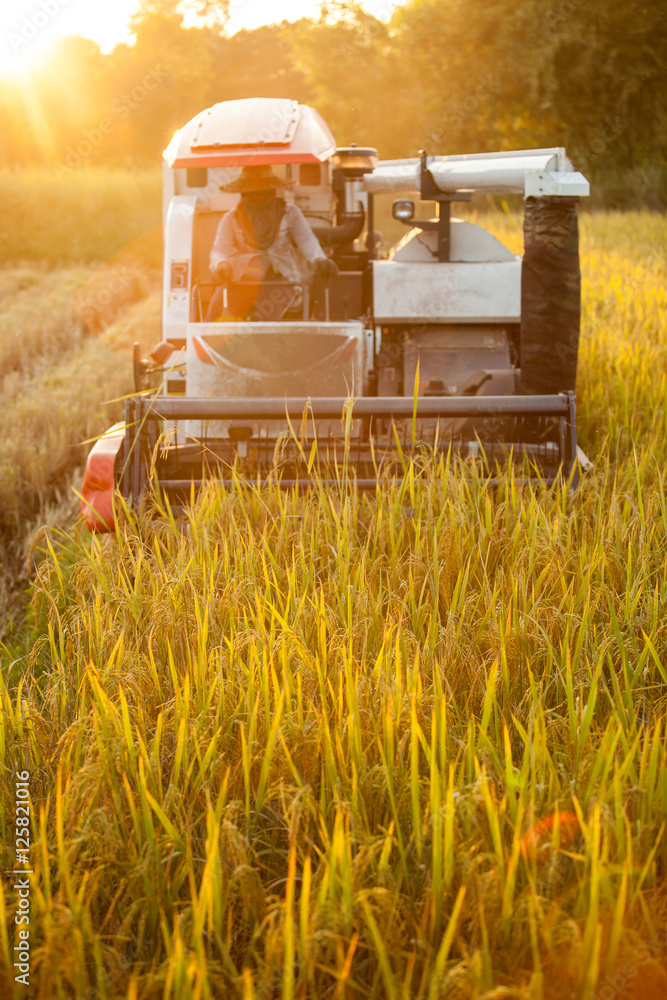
(345, 232)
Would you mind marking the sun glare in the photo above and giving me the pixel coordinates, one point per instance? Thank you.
(20, 57)
(29, 28)
(253, 13)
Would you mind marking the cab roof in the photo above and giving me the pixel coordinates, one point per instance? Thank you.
(255, 130)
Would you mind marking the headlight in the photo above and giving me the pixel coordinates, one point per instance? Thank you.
(403, 209)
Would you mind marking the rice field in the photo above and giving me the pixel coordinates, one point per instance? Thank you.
(65, 342)
(330, 745)
(89, 216)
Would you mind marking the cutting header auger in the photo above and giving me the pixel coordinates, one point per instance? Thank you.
(450, 341)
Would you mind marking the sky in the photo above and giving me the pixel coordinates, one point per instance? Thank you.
(27, 27)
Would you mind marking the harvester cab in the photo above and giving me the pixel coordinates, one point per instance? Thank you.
(450, 340)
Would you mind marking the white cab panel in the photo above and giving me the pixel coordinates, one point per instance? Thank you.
(447, 292)
(177, 278)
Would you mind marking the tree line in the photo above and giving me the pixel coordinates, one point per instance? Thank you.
(443, 75)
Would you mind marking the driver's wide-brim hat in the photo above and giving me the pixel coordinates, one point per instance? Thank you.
(255, 178)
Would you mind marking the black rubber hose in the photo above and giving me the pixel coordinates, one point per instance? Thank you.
(347, 231)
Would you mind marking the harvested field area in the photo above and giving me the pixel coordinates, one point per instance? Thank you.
(333, 745)
(65, 346)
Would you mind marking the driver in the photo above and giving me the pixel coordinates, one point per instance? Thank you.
(263, 239)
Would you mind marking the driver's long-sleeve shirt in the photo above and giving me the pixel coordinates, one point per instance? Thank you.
(294, 242)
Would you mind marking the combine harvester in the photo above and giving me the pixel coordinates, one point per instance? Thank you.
(452, 341)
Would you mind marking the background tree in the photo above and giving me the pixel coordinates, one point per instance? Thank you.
(357, 78)
(445, 75)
